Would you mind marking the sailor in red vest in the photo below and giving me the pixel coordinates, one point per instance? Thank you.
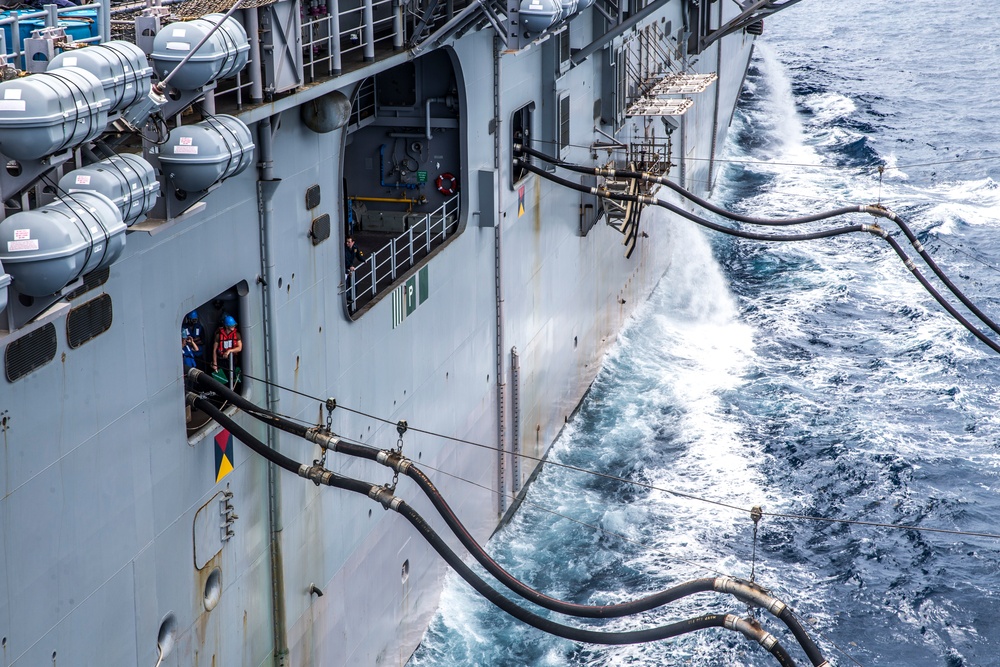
(227, 344)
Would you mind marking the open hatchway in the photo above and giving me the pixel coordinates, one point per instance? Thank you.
(402, 174)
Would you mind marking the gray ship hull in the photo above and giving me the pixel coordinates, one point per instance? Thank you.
(111, 549)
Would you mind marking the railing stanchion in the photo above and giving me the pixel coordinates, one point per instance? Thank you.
(392, 261)
(333, 10)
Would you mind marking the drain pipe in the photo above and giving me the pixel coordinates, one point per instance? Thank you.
(427, 111)
(267, 184)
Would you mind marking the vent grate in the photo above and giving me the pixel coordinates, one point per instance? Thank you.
(312, 197)
(88, 321)
(29, 352)
(91, 281)
(320, 229)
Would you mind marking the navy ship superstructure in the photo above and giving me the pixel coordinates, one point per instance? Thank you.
(180, 183)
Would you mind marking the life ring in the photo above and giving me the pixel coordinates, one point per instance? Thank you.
(447, 184)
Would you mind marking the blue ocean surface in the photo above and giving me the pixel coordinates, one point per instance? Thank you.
(814, 379)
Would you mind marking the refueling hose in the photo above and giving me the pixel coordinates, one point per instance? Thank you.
(747, 627)
(742, 590)
(871, 209)
(837, 231)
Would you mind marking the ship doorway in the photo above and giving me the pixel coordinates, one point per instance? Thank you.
(212, 341)
(402, 189)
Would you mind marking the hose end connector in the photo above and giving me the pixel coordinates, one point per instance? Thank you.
(875, 229)
(394, 460)
(316, 474)
(384, 497)
(323, 438)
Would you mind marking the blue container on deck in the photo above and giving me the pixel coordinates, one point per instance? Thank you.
(79, 24)
(21, 27)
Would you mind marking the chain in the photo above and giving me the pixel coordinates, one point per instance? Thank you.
(881, 170)
(756, 513)
(401, 427)
(331, 405)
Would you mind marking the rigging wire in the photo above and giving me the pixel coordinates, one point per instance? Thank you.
(877, 210)
(644, 485)
(384, 496)
(828, 233)
(868, 166)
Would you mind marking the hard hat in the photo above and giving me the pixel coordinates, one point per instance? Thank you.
(193, 315)
(229, 321)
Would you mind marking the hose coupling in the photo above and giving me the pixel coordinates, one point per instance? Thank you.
(384, 497)
(322, 438)
(316, 474)
(917, 245)
(910, 265)
(767, 640)
(394, 460)
(750, 629)
(875, 229)
(750, 593)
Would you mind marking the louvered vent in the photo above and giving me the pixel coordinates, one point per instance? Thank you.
(88, 321)
(320, 229)
(29, 352)
(312, 197)
(91, 281)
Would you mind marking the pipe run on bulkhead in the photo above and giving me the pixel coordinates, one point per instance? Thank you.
(267, 184)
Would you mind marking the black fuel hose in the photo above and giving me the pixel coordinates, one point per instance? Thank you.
(838, 231)
(747, 627)
(687, 194)
(874, 210)
(646, 199)
(741, 590)
(242, 434)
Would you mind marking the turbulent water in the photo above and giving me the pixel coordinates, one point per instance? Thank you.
(813, 379)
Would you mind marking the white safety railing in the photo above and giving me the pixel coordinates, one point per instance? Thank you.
(337, 28)
(380, 270)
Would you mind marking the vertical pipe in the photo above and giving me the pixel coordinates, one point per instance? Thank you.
(209, 104)
(266, 187)
(336, 61)
(515, 421)
(369, 18)
(501, 425)
(52, 16)
(256, 71)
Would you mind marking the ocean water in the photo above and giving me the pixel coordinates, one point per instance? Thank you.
(814, 379)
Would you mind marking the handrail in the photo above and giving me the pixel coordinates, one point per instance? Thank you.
(380, 269)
